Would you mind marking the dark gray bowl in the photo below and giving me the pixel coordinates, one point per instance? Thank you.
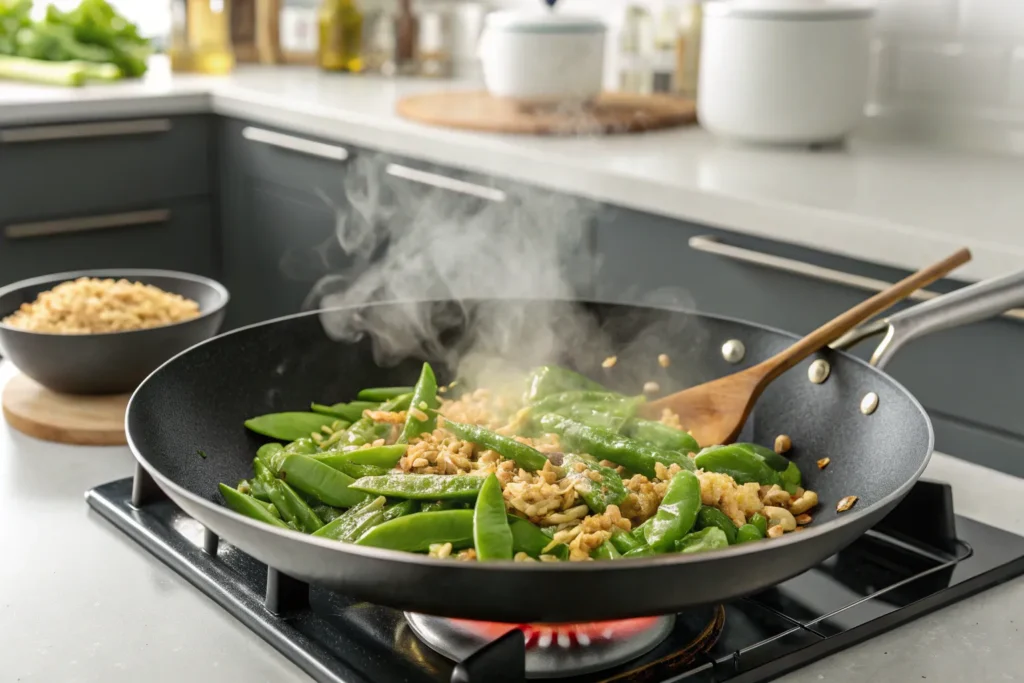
(114, 362)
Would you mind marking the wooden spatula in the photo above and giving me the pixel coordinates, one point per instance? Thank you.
(714, 412)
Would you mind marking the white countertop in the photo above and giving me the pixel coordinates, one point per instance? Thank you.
(879, 199)
(81, 603)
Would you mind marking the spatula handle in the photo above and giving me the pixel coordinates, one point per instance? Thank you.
(843, 323)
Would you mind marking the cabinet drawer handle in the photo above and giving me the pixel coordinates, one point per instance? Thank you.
(445, 183)
(711, 245)
(290, 142)
(17, 231)
(101, 129)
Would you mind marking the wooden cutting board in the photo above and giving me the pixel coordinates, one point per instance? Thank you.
(611, 113)
(82, 420)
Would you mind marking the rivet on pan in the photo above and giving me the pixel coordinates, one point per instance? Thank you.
(818, 371)
(733, 351)
(869, 403)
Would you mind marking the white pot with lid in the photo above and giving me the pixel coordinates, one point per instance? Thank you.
(542, 56)
(785, 71)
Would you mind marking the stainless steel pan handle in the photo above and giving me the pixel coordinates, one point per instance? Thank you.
(975, 302)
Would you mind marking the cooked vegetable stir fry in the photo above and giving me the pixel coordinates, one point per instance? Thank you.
(559, 469)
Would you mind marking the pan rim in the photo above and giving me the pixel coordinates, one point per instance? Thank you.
(539, 567)
(224, 297)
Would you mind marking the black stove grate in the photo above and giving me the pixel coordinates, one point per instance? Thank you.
(920, 558)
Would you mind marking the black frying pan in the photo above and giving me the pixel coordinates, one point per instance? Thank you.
(199, 399)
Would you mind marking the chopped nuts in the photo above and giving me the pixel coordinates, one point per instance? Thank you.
(775, 531)
(610, 361)
(651, 387)
(823, 463)
(846, 503)
(663, 360)
(804, 519)
(783, 443)
(780, 517)
(799, 528)
(317, 436)
(804, 503)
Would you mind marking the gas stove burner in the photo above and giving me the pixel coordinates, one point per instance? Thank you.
(552, 650)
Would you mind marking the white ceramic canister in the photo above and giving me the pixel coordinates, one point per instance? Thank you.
(784, 71)
(543, 56)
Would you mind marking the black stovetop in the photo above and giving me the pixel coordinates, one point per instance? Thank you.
(920, 558)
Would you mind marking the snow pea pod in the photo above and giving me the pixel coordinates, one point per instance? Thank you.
(600, 400)
(525, 456)
(598, 486)
(327, 513)
(662, 436)
(262, 470)
(713, 517)
(421, 486)
(701, 541)
(642, 551)
(631, 454)
(266, 452)
(624, 541)
(605, 551)
(260, 490)
(356, 470)
(350, 411)
(639, 532)
(528, 538)
(777, 462)
(289, 426)
(438, 505)
(586, 414)
(791, 478)
(400, 509)
(382, 393)
(317, 479)
(417, 532)
(738, 463)
(492, 536)
(292, 507)
(748, 533)
(424, 402)
(553, 379)
(378, 456)
(248, 506)
(759, 521)
(353, 523)
(676, 514)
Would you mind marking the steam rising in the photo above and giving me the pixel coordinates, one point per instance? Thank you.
(402, 241)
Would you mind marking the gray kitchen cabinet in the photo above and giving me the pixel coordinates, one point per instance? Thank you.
(73, 169)
(174, 235)
(968, 378)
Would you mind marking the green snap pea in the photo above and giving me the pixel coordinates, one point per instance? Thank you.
(266, 452)
(639, 532)
(260, 490)
(400, 509)
(249, 506)
(356, 470)
(525, 456)
(677, 512)
(438, 505)
(598, 486)
(355, 521)
(492, 536)
(759, 521)
(631, 454)
(262, 470)
(713, 517)
(379, 394)
(351, 411)
(738, 463)
(553, 379)
(791, 478)
(424, 401)
(303, 446)
(417, 532)
(624, 541)
(288, 426)
(642, 551)
(662, 436)
(605, 401)
(292, 507)
(528, 538)
(327, 513)
(711, 538)
(777, 462)
(325, 483)
(422, 486)
(748, 533)
(378, 456)
(605, 551)
(592, 417)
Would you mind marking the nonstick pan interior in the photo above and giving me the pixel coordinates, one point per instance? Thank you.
(199, 400)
